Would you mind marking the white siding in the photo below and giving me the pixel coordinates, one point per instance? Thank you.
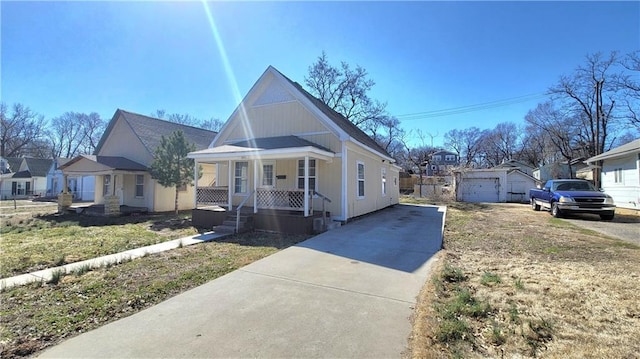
(625, 192)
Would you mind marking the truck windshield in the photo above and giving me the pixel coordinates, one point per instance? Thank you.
(574, 186)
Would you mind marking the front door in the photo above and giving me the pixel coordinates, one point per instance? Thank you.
(268, 174)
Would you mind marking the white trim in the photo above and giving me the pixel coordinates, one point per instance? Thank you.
(195, 183)
(261, 177)
(255, 186)
(301, 134)
(273, 103)
(306, 185)
(364, 179)
(230, 185)
(383, 181)
(241, 177)
(251, 153)
(345, 183)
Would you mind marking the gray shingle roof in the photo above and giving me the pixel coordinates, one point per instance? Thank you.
(150, 131)
(14, 163)
(339, 119)
(630, 147)
(39, 167)
(114, 162)
(270, 143)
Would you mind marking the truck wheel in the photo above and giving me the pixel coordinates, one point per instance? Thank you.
(555, 211)
(534, 206)
(607, 216)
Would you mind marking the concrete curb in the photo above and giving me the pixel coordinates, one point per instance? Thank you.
(46, 275)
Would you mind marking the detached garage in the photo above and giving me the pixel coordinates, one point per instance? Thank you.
(493, 185)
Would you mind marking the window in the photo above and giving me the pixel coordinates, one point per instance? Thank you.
(437, 158)
(312, 175)
(618, 175)
(139, 185)
(450, 158)
(268, 174)
(106, 185)
(384, 181)
(241, 177)
(360, 175)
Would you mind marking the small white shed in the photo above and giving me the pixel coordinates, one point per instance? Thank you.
(493, 185)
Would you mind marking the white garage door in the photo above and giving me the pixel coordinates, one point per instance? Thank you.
(480, 190)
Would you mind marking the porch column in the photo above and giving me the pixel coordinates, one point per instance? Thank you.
(230, 187)
(306, 186)
(195, 183)
(64, 198)
(255, 186)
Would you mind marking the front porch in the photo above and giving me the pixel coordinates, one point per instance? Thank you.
(282, 221)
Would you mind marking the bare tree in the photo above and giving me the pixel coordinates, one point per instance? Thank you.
(212, 124)
(631, 87)
(592, 97)
(389, 135)
(22, 131)
(559, 130)
(346, 91)
(466, 143)
(75, 133)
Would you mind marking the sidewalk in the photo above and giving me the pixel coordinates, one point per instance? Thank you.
(45, 275)
(346, 293)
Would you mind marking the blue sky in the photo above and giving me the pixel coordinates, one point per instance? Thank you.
(423, 56)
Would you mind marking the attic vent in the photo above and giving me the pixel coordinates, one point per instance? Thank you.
(273, 94)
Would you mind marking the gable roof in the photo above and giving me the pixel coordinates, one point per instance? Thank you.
(38, 167)
(337, 118)
(150, 131)
(631, 147)
(271, 143)
(14, 164)
(112, 162)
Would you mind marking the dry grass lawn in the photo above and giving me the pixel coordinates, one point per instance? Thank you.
(516, 283)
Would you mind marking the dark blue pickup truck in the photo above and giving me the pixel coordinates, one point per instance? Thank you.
(572, 196)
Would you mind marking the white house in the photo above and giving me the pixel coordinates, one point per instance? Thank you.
(620, 174)
(25, 177)
(81, 187)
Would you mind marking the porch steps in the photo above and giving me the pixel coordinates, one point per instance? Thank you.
(229, 224)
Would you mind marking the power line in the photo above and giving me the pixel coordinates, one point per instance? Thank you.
(470, 108)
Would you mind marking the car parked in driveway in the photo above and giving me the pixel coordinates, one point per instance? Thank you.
(572, 196)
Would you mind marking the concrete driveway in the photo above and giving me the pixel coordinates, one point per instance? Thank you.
(348, 292)
(624, 227)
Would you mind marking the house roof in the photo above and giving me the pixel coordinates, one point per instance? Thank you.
(346, 125)
(270, 143)
(266, 148)
(112, 162)
(514, 163)
(629, 148)
(38, 167)
(444, 152)
(21, 174)
(14, 163)
(150, 131)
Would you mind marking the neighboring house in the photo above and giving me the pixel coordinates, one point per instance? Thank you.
(620, 174)
(493, 185)
(283, 149)
(123, 157)
(515, 164)
(81, 187)
(559, 170)
(25, 177)
(441, 163)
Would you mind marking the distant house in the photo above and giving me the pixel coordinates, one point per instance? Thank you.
(493, 185)
(123, 157)
(288, 156)
(441, 163)
(515, 164)
(24, 177)
(561, 169)
(81, 187)
(620, 174)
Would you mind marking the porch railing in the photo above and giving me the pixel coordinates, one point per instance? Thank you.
(285, 199)
(212, 195)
